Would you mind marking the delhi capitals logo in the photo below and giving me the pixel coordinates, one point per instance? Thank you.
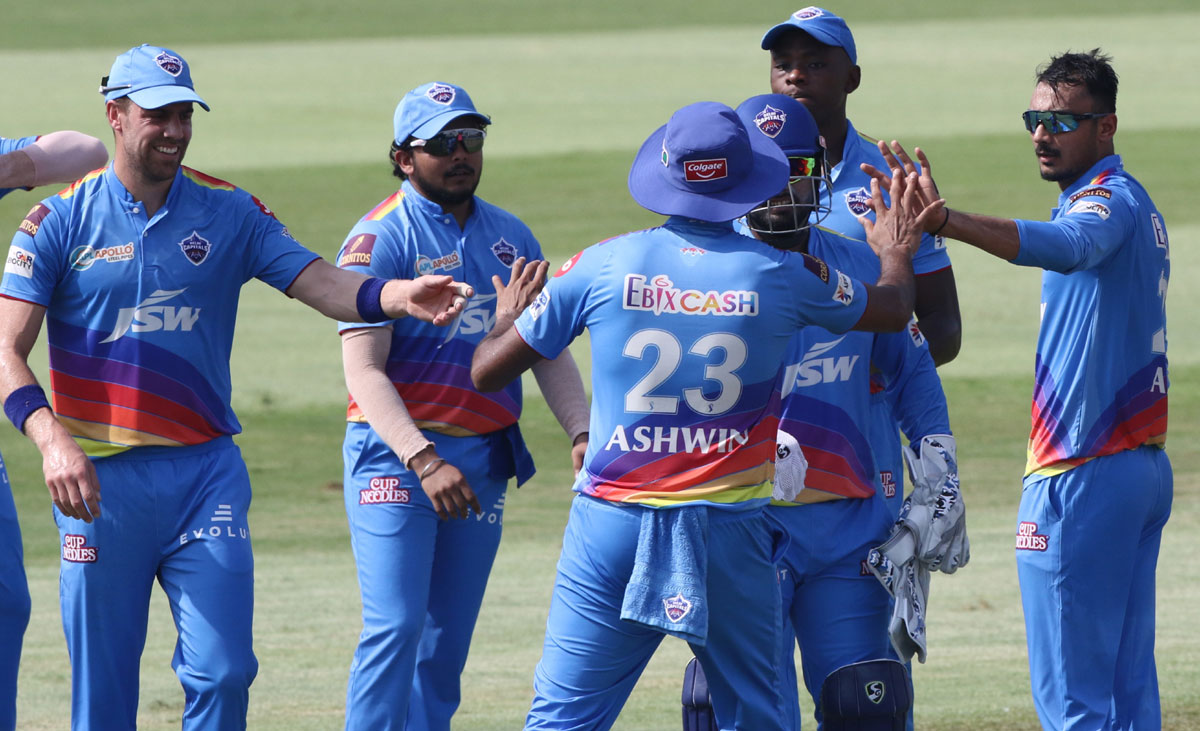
(808, 13)
(677, 607)
(770, 121)
(876, 690)
(195, 248)
(858, 201)
(441, 93)
(173, 65)
(505, 252)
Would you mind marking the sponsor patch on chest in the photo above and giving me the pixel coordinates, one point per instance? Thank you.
(195, 248)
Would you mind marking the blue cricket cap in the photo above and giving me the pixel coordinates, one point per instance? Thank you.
(152, 77)
(705, 164)
(425, 110)
(821, 25)
(784, 120)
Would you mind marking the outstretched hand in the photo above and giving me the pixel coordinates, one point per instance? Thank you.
(898, 227)
(926, 189)
(525, 281)
(436, 298)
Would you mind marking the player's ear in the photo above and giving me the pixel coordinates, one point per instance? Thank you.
(403, 157)
(853, 79)
(1106, 127)
(112, 110)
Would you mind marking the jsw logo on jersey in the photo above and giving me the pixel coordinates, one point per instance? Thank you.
(150, 316)
(477, 318)
(814, 369)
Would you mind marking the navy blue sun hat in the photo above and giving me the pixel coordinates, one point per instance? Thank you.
(818, 23)
(785, 120)
(425, 110)
(152, 77)
(705, 164)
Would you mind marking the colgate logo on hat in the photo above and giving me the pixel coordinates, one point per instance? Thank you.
(770, 121)
(808, 13)
(703, 170)
(171, 64)
(441, 93)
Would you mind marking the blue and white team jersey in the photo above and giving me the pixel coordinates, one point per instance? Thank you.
(826, 386)
(1100, 382)
(408, 235)
(851, 200)
(669, 308)
(8, 145)
(140, 312)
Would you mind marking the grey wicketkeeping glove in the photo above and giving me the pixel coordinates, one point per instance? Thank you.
(934, 512)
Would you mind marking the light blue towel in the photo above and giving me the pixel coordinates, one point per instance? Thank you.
(668, 589)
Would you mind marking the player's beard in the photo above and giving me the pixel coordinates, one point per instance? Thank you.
(443, 195)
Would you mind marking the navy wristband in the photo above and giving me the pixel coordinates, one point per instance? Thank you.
(23, 402)
(368, 302)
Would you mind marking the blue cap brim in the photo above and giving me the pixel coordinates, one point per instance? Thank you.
(160, 96)
(650, 188)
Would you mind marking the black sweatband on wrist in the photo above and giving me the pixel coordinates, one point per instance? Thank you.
(945, 220)
(23, 402)
(368, 302)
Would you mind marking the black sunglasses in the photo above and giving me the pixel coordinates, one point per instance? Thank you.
(1057, 122)
(444, 142)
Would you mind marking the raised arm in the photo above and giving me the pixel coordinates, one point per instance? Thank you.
(353, 297)
(58, 157)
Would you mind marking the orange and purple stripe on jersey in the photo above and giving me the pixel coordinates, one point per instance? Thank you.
(441, 398)
(115, 396)
(1137, 416)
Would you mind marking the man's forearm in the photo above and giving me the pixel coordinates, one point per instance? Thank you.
(997, 236)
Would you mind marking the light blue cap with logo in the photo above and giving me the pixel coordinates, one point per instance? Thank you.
(425, 110)
(818, 23)
(152, 77)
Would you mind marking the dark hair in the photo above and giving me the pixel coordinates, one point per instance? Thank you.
(1092, 70)
(392, 159)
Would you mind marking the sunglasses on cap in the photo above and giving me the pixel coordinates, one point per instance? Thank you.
(1057, 122)
(444, 142)
(801, 167)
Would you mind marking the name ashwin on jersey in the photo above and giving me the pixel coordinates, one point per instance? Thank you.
(674, 439)
(661, 296)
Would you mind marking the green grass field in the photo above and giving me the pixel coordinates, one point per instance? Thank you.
(302, 98)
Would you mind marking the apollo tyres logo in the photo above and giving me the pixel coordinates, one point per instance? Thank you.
(150, 315)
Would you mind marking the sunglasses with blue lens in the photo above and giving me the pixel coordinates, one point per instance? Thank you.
(444, 142)
(1058, 122)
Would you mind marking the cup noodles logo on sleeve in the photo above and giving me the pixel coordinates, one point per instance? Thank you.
(699, 171)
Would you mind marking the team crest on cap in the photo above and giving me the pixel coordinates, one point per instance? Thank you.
(770, 121)
(808, 13)
(876, 690)
(173, 65)
(677, 607)
(858, 201)
(441, 93)
(505, 252)
(705, 170)
(195, 248)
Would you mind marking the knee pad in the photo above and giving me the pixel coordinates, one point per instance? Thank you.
(874, 695)
(697, 706)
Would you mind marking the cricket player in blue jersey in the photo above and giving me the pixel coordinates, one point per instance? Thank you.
(28, 162)
(832, 505)
(814, 60)
(136, 269)
(428, 456)
(1098, 484)
(669, 533)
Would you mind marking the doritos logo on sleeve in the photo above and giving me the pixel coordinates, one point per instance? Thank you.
(817, 267)
(33, 219)
(566, 267)
(358, 252)
(1102, 192)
